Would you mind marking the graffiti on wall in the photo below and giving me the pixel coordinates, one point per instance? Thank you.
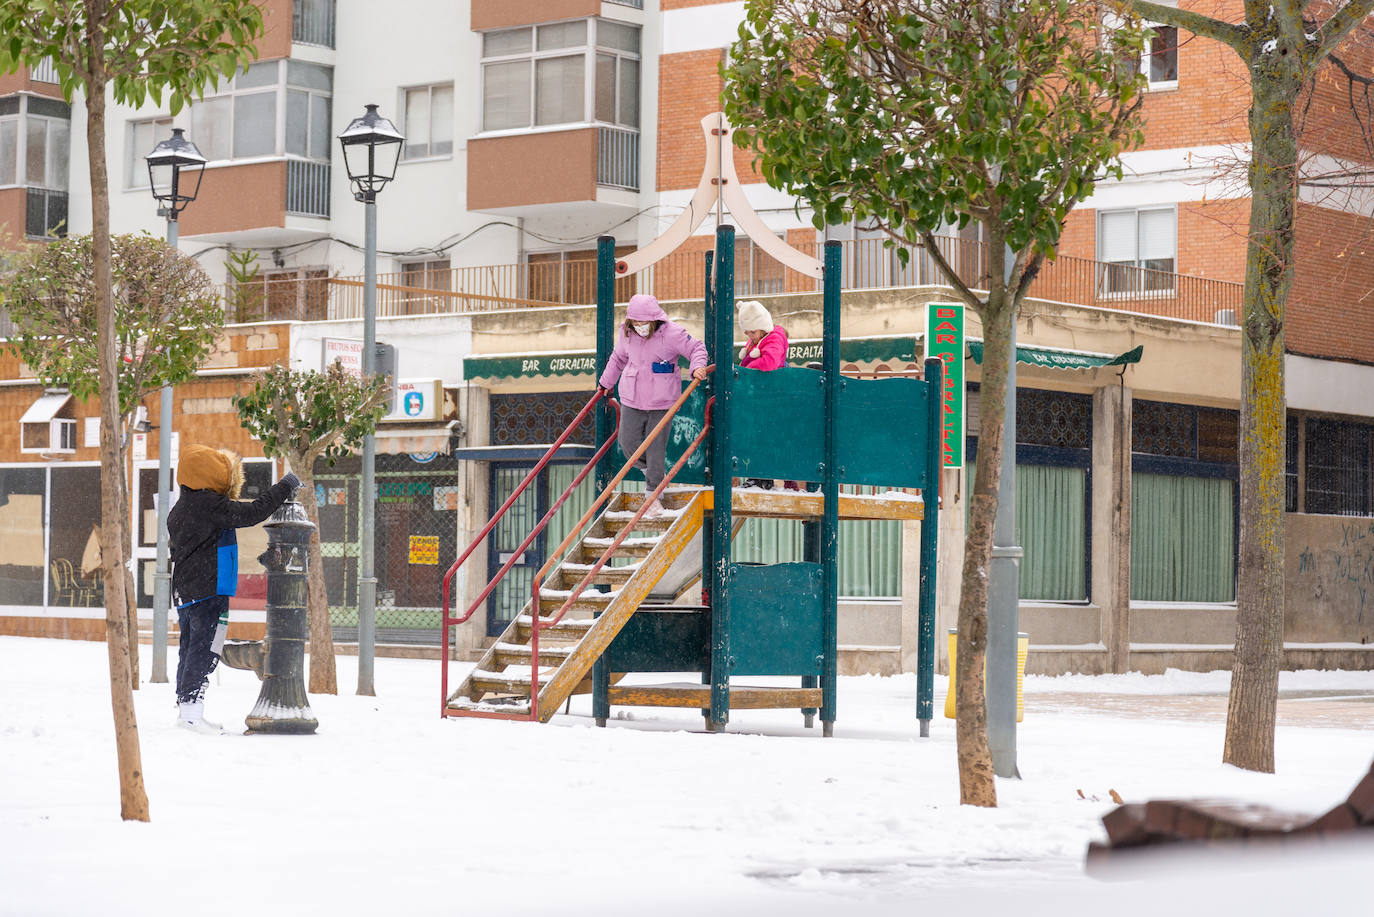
(1331, 577)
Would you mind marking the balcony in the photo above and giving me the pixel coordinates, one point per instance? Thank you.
(584, 173)
(312, 22)
(307, 188)
(866, 264)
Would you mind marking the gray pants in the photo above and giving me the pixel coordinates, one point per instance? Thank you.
(635, 425)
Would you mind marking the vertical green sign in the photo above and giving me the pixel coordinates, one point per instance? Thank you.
(945, 339)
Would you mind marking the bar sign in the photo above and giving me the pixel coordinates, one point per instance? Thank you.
(945, 339)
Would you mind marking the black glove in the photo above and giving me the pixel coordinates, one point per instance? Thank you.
(291, 481)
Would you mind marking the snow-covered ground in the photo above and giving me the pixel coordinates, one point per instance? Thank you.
(389, 809)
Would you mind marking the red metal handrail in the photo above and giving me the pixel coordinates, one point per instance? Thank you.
(539, 527)
(537, 622)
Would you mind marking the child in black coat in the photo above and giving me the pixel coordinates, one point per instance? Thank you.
(205, 568)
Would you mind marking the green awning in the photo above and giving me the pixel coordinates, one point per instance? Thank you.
(901, 348)
(1056, 358)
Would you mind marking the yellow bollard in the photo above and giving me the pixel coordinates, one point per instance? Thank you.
(1022, 647)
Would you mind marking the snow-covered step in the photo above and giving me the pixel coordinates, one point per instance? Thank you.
(572, 574)
(508, 706)
(567, 630)
(519, 654)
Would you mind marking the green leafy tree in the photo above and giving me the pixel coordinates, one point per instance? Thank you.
(913, 116)
(303, 417)
(1282, 46)
(246, 289)
(132, 51)
(166, 318)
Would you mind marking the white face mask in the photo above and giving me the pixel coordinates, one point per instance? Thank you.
(642, 328)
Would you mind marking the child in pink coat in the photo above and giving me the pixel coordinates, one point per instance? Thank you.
(765, 350)
(644, 363)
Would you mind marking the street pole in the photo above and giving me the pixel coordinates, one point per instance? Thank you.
(1004, 588)
(367, 580)
(162, 579)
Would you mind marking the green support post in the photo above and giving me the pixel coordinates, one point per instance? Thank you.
(605, 342)
(708, 301)
(830, 485)
(930, 526)
(722, 472)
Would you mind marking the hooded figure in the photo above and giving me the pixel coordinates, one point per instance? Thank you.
(205, 563)
(644, 363)
(766, 348)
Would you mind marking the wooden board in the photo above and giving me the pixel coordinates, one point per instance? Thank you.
(791, 504)
(699, 696)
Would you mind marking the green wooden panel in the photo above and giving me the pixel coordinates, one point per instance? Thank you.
(778, 417)
(775, 619)
(661, 640)
(884, 432)
(686, 424)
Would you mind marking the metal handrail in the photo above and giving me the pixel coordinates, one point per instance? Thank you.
(505, 507)
(537, 623)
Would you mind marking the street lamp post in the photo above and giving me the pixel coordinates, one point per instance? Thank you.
(173, 192)
(371, 147)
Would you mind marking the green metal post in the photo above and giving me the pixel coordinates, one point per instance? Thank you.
(605, 342)
(708, 301)
(930, 525)
(722, 472)
(830, 486)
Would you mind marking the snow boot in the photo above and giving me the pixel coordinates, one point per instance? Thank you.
(189, 717)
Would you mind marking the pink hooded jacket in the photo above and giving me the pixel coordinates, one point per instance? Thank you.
(647, 367)
(768, 353)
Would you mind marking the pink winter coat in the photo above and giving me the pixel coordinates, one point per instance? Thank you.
(769, 353)
(647, 367)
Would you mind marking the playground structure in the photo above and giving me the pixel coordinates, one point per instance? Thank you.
(610, 600)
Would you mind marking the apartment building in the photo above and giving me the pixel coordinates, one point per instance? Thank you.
(533, 126)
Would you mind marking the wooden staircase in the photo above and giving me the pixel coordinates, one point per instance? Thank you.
(500, 685)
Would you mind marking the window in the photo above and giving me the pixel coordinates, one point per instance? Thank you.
(22, 495)
(142, 137)
(428, 118)
(1138, 248)
(1053, 477)
(1183, 503)
(757, 273)
(540, 75)
(570, 276)
(35, 142)
(417, 277)
(1159, 62)
(1339, 467)
(240, 121)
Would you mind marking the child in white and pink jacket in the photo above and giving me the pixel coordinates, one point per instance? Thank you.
(644, 362)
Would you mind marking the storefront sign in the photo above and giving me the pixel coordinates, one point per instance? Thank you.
(945, 340)
(347, 352)
(402, 491)
(424, 549)
(417, 399)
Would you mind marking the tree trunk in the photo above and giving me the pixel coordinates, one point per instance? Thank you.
(976, 780)
(126, 552)
(133, 797)
(1253, 706)
(323, 673)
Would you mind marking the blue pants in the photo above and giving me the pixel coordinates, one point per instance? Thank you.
(201, 642)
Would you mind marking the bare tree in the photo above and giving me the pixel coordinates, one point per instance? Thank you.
(1281, 45)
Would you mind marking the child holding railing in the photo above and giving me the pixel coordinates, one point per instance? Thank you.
(644, 363)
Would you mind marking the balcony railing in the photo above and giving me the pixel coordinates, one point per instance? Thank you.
(866, 264)
(44, 72)
(617, 158)
(312, 22)
(307, 188)
(636, 4)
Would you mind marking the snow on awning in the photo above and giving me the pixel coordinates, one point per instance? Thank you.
(1058, 358)
(411, 439)
(46, 407)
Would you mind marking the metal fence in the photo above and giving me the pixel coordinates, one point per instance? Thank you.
(617, 158)
(307, 188)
